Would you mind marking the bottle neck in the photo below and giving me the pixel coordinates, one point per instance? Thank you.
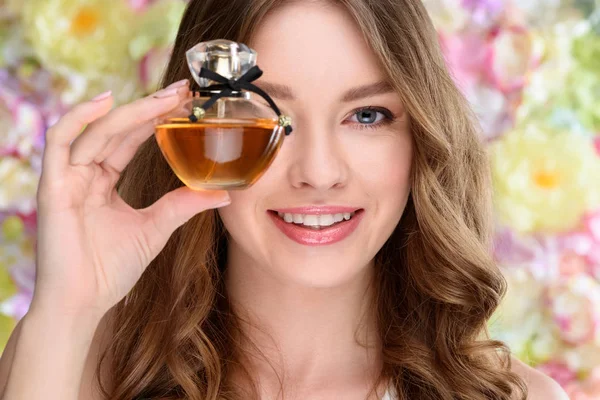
(209, 93)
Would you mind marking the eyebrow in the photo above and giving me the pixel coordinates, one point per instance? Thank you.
(284, 92)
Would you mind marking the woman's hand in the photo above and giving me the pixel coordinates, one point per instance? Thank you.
(92, 246)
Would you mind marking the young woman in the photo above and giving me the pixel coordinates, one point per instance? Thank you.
(146, 289)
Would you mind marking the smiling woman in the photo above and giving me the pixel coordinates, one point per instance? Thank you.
(356, 267)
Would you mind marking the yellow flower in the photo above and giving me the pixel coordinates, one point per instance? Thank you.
(87, 36)
(544, 181)
(19, 185)
(7, 324)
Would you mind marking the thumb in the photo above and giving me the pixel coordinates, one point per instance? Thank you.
(178, 206)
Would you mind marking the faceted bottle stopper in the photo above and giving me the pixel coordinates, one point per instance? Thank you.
(227, 58)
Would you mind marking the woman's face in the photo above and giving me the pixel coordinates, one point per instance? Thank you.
(350, 152)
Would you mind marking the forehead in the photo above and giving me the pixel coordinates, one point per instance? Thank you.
(314, 46)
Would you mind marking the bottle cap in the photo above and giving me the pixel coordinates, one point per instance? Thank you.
(225, 57)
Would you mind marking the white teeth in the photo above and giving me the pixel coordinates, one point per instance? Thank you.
(326, 220)
(315, 221)
(310, 220)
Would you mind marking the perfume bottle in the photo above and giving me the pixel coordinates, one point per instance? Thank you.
(228, 132)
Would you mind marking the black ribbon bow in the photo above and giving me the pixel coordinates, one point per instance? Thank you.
(228, 86)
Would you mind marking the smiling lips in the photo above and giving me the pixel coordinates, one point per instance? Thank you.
(316, 226)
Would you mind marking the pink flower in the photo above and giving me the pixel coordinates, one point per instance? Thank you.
(586, 242)
(589, 389)
(484, 13)
(28, 105)
(510, 56)
(574, 304)
(22, 123)
(140, 5)
(572, 264)
(558, 371)
(539, 254)
(465, 55)
(152, 66)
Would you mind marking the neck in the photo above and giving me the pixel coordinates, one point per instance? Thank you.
(308, 337)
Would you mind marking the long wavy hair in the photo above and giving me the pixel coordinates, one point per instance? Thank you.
(175, 334)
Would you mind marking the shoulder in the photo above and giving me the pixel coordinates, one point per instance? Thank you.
(540, 386)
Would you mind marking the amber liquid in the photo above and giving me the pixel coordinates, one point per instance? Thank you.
(219, 153)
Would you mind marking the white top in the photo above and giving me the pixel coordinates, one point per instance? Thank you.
(389, 394)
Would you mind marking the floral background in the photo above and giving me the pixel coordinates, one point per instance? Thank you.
(530, 68)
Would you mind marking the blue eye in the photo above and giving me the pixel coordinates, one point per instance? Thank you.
(371, 117)
(367, 116)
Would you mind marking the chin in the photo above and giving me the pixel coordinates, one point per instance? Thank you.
(321, 272)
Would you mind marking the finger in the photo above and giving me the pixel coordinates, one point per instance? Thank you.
(58, 138)
(177, 207)
(121, 120)
(115, 141)
(120, 156)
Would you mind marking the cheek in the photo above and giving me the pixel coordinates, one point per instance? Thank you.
(241, 216)
(383, 165)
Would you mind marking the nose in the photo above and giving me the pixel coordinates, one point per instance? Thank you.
(319, 160)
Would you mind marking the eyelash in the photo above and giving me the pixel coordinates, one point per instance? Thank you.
(389, 117)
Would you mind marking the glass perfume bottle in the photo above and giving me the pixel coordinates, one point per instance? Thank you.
(226, 134)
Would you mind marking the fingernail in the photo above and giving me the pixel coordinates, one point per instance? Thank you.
(102, 96)
(166, 93)
(177, 84)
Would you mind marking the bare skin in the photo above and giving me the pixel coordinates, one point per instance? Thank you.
(540, 385)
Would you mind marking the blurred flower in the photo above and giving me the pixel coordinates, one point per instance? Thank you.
(511, 55)
(7, 287)
(17, 256)
(538, 13)
(13, 47)
(589, 389)
(584, 244)
(584, 97)
(466, 56)
(559, 371)
(19, 185)
(567, 80)
(86, 36)
(544, 181)
(17, 305)
(582, 358)
(140, 5)
(539, 255)
(22, 124)
(11, 7)
(575, 307)
(545, 344)
(152, 45)
(520, 307)
(484, 13)
(448, 16)
(7, 325)
(493, 108)
(152, 67)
